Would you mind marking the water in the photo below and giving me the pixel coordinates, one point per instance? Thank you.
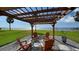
(67, 29)
(63, 29)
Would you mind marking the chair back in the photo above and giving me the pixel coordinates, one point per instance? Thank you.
(19, 42)
(48, 45)
(24, 47)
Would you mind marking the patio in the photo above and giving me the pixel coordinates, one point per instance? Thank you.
(37, 15)
(58, 45)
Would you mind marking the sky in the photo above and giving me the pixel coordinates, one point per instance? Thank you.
(66, 22)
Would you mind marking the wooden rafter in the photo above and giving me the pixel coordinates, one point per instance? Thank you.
(38, 18)
(45, 10)
(42, 15)
(36, 8)
(8, 8)
(31, 9)
(26, 9)
(2, 13)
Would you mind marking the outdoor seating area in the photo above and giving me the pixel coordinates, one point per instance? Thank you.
(38, 15)
(43, 44)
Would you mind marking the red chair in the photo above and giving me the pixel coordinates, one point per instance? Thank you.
(48, 45)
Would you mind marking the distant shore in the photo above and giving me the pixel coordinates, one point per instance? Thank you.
(57, 29)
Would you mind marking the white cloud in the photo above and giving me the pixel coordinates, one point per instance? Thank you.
(67, 19)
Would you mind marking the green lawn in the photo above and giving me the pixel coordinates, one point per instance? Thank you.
(73, 35)
(10, 36)
(7, 36)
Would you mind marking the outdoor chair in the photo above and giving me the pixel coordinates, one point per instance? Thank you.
(64, 39)
(35, 37)
(23, 45)
(48, 45)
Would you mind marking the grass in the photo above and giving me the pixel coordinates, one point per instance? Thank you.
(73, 35)
(7, 36)
(10, 36)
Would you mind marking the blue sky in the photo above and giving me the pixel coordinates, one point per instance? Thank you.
(66, 22)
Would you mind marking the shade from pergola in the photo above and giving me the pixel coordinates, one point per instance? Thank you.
(36, 15)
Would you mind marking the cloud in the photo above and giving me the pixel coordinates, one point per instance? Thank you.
(67, 19)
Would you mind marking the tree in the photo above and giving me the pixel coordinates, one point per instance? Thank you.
(10, 20)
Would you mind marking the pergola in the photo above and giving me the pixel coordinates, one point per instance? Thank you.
(36, 15)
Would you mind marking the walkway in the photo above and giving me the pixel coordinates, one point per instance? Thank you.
(70, 46)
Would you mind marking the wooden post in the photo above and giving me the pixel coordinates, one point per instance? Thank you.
(53, 26)
(35, 28)
(31, 30)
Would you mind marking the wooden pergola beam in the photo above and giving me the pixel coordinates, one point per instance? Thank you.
(41, 15)
(45, 10)
(42, 20)
(51, 15)
(35, 12)
(2, 13)
(8, 8)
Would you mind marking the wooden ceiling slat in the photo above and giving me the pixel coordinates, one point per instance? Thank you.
(36, 8)
(35, 19)
(44, 15)
(10, 12)
(41, 8)
(12, 16)
(41, 20)
(14, 11)
(45, 10)
(18, 11)
(31, 9)
(26, 9)
(22, 10)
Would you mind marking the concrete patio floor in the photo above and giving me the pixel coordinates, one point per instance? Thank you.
(59, 45)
